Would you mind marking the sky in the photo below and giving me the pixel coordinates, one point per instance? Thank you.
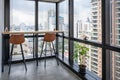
(23, 11)
(82, 9)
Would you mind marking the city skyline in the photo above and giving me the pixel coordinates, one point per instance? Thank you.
(27, 14)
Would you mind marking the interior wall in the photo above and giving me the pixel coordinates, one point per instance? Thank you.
(1, 28)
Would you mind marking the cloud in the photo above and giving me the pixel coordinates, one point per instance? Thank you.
(82, 9)
(26, 5)
(24, 11)
(18, 17)
(46, 6)
(22, 5)
(63, 7)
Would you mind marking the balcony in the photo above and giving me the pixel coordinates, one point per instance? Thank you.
(82, 22)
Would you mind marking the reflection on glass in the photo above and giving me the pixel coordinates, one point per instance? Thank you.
(115, 37)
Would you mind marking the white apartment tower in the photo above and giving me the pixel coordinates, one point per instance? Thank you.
(115, 31)
(96, 53)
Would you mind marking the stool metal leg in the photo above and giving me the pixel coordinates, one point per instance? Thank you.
(23, 57)
(42, 49)
(10, 58)
(45, 54)
(55, 53)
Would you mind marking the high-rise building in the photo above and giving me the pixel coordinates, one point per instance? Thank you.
(83, 31)
(96, 59)
(61, 23)
(51, 19)
(115, 39)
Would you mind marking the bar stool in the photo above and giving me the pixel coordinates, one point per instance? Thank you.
(16, 39)
(48, 38)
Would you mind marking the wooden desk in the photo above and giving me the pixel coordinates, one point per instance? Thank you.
(27, 32)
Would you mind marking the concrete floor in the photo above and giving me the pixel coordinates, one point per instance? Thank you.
(51, 72)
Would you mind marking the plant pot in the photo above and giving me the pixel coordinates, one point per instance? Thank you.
(82, 68)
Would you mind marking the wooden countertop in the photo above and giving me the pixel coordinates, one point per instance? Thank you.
(32, 32)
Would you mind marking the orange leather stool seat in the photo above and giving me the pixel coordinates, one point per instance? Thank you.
(17, 39)
(14, 40)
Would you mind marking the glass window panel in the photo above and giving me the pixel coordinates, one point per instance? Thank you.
(47, 16)
(46, 21)
(27, 49)
(22, 15)
(63, 17)
(115, 22)
(22, 18)
(60, 47)
(40, 43)
(93, 59)
(66, 49)
(87, 20)
(47, 46)
(115, 64)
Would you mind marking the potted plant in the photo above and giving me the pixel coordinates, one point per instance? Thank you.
(80, 55)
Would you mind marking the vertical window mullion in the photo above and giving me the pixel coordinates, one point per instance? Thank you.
(103, 39)
(71, 30)
(57, 25)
